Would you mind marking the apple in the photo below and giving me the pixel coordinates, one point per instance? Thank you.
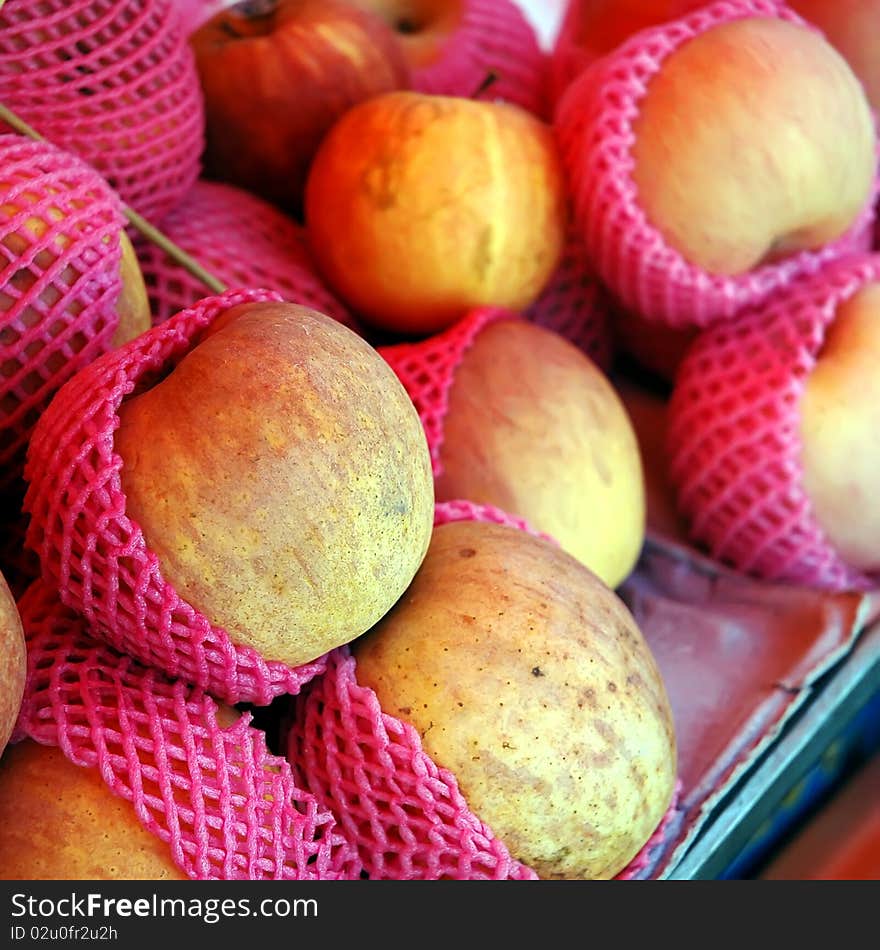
(281, 476)
(72, 289)
(535, 428)
(772, 433)
(13, 663)
(709, 195)
(529, 681)
(850, 25)
(243, 241)
(420, 207)
(453, 45)
(113, 82)
(276, 74)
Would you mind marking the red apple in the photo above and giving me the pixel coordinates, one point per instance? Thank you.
(452, 45)
(114, 82)
(276, 74)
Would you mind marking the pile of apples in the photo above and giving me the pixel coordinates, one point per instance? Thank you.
(383, 461)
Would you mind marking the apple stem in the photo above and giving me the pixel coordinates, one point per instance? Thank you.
(136, 220)
(490, 79)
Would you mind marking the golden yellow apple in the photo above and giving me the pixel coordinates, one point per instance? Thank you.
(13, 663)
(528, 679)
(420, 207)
(754, 140)
(839, 425)
(535, 427)
(281, 475)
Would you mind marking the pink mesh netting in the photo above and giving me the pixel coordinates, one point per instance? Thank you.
(427, 370)
(60, 255)
(492, 36)
(114, 82)
(594, 120)
(406, 816)
(734, 433)
(226, 807)
(96, 556)
(244, 242)
(575, 304)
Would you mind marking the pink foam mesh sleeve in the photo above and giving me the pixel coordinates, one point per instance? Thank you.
(594, 126)
(575, 304)
(60, 255)
(492, 36)
(734, 434)
(226, 807)
(244, 242)
(113, 81)
(96, 556)
(406, 816)
(427, 369)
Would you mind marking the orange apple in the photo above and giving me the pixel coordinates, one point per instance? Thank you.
(13, 663)
(535, 428)
(753, 141)
(420, 207)
(114, 82)
(276, 74)
(281, 476)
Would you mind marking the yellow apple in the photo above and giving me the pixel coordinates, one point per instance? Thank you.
(281, 475)
(754, 140)
(840, 419)
(13, 663)
(420, 207)
(534, 427)
(528, 679)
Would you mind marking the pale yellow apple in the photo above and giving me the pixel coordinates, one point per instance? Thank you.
(840, 423)
(13, 663)
(753, 141)
(281, 475)
(536, 428)
(419, 207)
(851, 26)
(528, 679)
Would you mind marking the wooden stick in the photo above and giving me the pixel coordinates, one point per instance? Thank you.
(137, 221)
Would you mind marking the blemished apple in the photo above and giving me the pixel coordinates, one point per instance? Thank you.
(282, 477)
(13, 663)
(528, 679)
(851, 26)
(420, 207)
(276, 75)
(753, 141)
(840, 419)
(535, 428)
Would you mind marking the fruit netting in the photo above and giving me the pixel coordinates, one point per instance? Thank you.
(427, 370)
(734, 434)
(493, 36)
(405, 815)
(244, 242)
(113, 81)
(97, 557)
(576, 305)
(594, 124)
(225, 806)
(60, 227)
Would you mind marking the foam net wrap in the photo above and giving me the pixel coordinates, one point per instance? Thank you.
(406, 816)
(734, 434)
(493, 36)
(226, 807)
(96, 556)
(60, 254)
(114, 82)
(594, 125)
(244, 242)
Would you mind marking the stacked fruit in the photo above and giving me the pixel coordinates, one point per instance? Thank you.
(364, 482)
